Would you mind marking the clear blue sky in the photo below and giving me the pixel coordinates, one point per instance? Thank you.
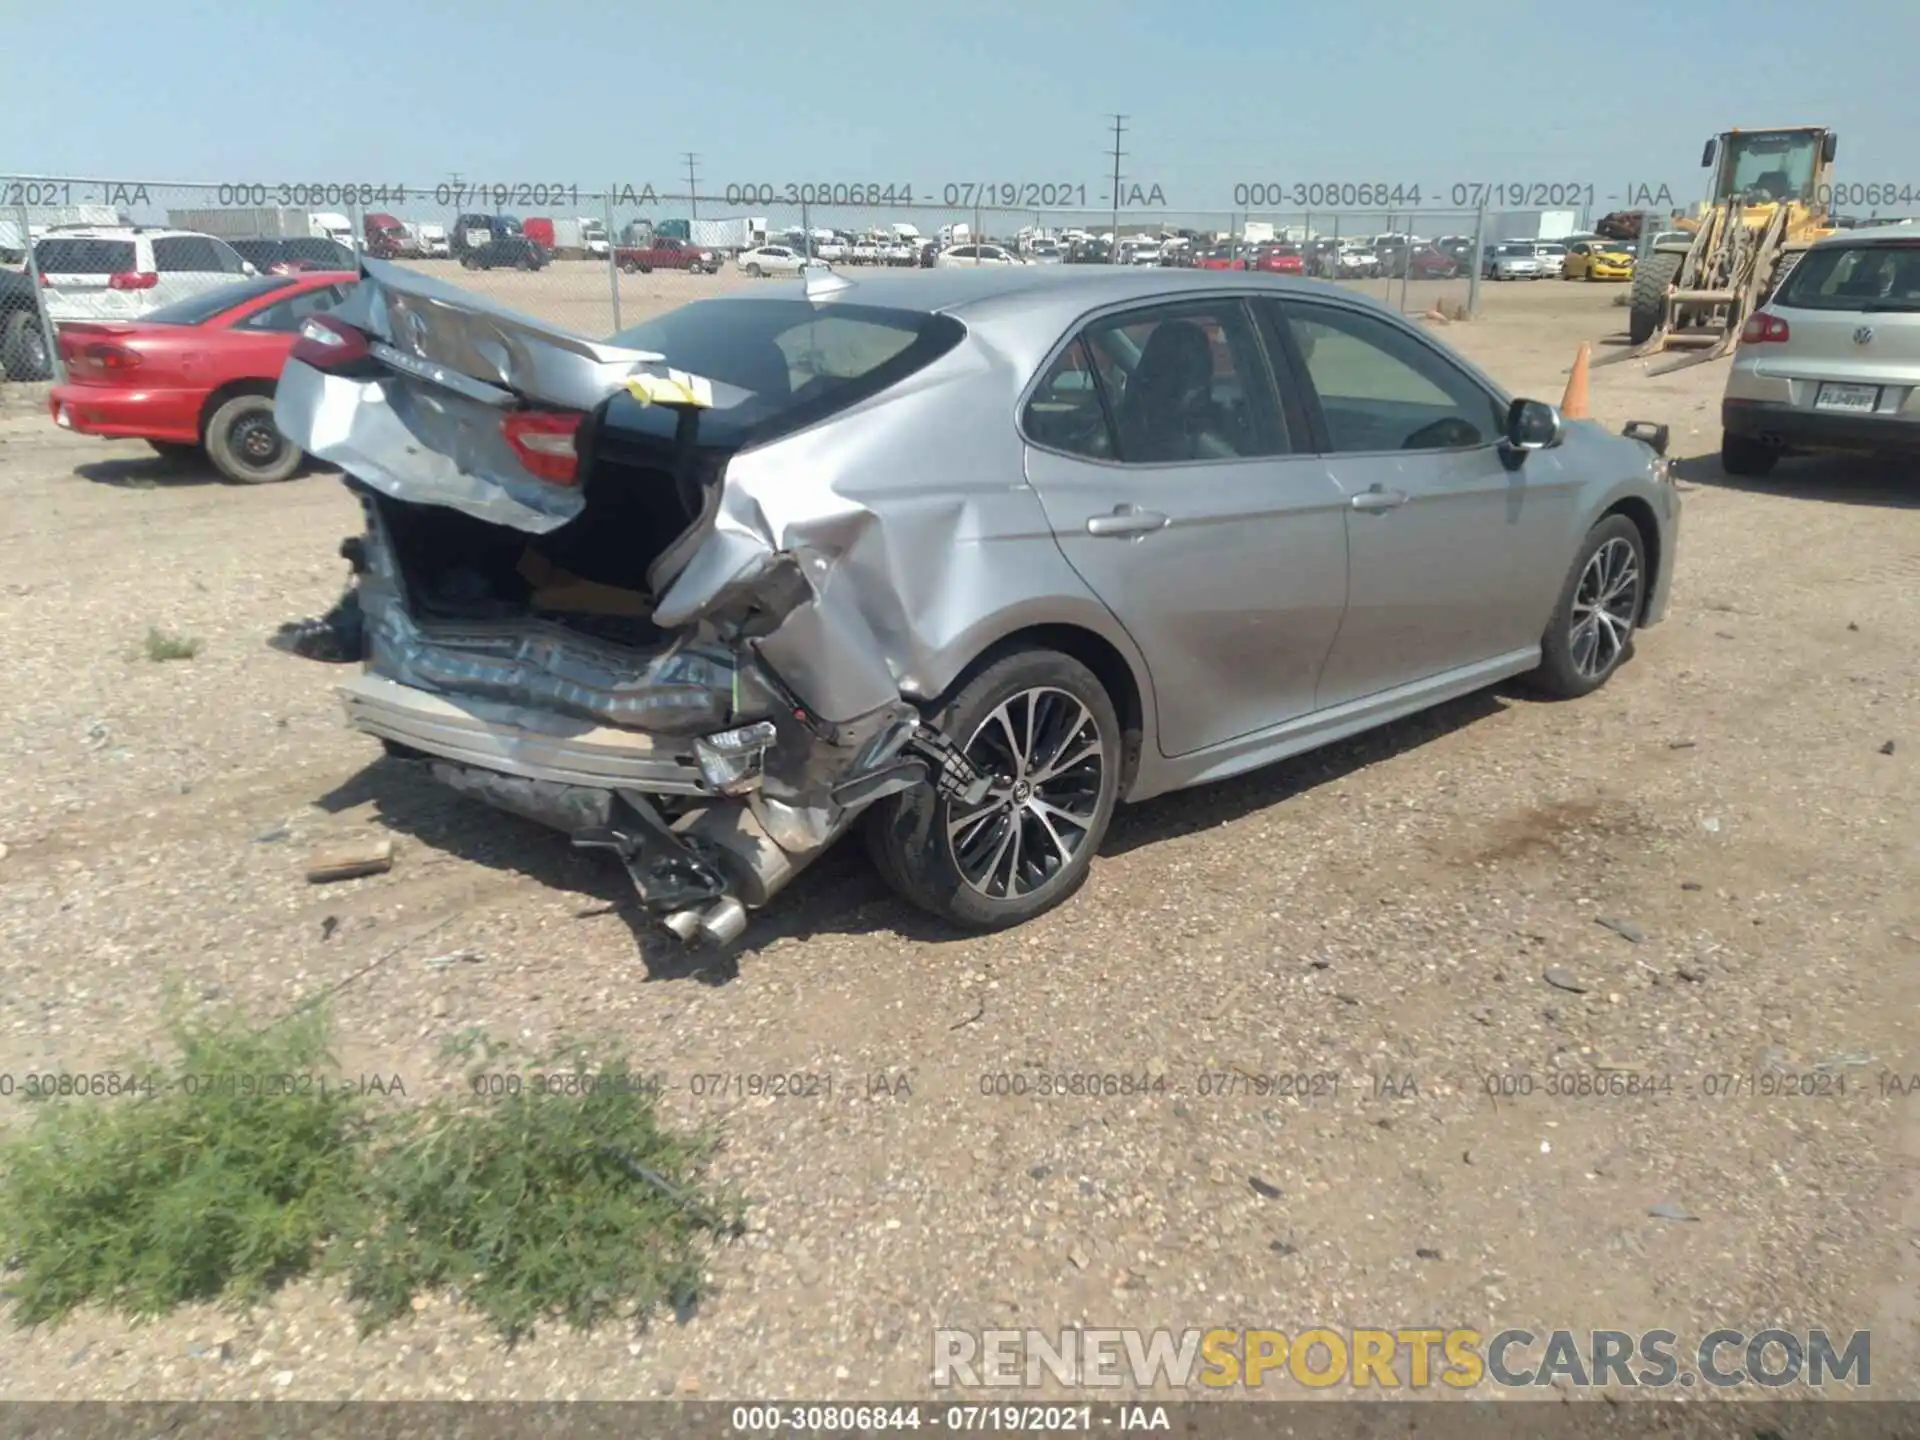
(960, 90)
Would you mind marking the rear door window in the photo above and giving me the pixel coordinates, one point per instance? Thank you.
(284, 317)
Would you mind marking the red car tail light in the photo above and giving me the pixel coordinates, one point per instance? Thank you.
(1764, 329)
(104, 359)
(546, 442)
(328, 344)
(133, 280)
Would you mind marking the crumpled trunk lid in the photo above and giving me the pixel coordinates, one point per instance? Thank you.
(452, 363)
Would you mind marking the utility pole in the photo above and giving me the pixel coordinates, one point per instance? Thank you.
(1119, 129)
(693, 184)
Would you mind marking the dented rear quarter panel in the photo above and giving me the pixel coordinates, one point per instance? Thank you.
(914, 507)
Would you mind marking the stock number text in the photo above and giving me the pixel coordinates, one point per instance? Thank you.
(506, 1085)
(1329, 195)
(855, 192)
(1870, 193)
(1079, 1084)
(1577, 1084)
(314, 194)
(818, 1419)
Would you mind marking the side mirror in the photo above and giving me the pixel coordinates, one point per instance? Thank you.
(1829, 147)
(1533, 425)
(249, 269)
(1706, 155)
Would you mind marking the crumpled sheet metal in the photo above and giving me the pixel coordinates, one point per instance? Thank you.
(418, 443)
(440, 443)
(912, 580)
(683, 690)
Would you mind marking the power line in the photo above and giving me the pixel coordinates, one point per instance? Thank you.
(1119, 129)
(693, 183)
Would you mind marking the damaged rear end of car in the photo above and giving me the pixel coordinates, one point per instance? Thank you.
(562, 608)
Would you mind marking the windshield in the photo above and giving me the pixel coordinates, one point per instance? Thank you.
(196, 309)
(1770, 165)
(1514, 247)
(1855, 277)
(781, 364)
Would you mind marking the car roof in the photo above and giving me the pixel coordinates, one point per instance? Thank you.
(119, 232)
(1900, 230)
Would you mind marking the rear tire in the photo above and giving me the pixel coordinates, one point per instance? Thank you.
(246, 446)
(23, 348)
(1743, 455)
(1648, 301)
(1591, 632)
(755, 271)
(1029, 846)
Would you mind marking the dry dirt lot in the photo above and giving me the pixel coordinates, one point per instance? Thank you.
(1386, 908)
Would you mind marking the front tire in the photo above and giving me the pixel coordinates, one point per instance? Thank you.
(1743, 455)
(1648, 301)
(1045, 728)
(1591, 632)
(755, 272)
(246, 446)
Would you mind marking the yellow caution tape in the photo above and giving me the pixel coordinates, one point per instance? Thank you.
(675, 387)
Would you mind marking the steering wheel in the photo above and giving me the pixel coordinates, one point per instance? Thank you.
(1450, 433)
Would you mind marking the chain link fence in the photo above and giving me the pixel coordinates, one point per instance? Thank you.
(597, 260)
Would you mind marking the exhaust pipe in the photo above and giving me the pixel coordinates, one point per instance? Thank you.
(722, 923)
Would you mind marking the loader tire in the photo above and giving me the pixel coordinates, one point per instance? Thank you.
(1648, 302)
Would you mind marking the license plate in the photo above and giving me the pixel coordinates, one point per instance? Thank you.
(1863, 399)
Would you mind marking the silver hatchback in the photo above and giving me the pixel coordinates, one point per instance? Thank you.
(1832, 362)
(967, 557)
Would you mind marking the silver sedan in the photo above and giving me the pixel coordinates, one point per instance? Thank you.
(965, 558)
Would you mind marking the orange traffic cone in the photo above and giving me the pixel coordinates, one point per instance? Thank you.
(1573, 405)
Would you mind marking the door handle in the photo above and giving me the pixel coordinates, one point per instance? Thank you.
(1127, 520)
(1377, 500)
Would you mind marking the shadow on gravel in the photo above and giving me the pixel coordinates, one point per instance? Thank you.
(1887, 481)
(145, 472)
(412, 803)
(1224, 801)
(840, 894)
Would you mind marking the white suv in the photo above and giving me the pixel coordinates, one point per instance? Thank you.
(967, 256)
(121, 272)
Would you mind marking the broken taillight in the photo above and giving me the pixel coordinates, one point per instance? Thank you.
(328, 344)
(545, 442)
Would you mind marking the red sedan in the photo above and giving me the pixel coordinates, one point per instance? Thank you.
(1221, 258)
(1281, 260)
(197, 375)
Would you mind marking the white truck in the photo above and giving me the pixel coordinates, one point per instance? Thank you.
(264, 222)
(41, 218)
(429, 238)
(581, 238)
(739, 233)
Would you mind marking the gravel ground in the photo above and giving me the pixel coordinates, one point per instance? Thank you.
(1388, 908)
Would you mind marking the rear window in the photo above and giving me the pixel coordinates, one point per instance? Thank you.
(83, 257)
(1855, 277)
(784, 364)
(202, 307)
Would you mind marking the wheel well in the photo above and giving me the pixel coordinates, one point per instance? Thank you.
(229, 391)
(1641, 514)
(1108, 665)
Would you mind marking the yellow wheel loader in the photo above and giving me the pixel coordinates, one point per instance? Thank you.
(1770, 199)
